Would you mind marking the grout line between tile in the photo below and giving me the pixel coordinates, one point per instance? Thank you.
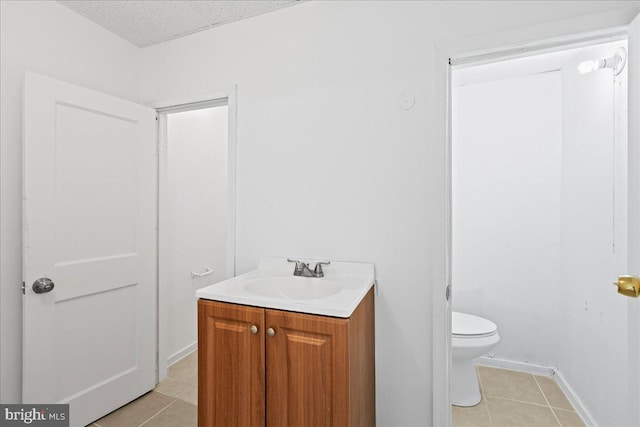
(483, 396)
(167, 394)
(547, 400)
(519, 401)
(486, 403)
(154, 415)
(541, 391)
(480, 381)
(564, 409)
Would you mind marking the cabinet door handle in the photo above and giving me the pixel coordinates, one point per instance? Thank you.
(271, 332)
(253, 329)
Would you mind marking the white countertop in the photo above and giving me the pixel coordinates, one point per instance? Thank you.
(353, 279)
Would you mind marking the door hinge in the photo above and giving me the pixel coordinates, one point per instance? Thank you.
(24, 288)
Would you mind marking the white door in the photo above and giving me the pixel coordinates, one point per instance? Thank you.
(634, 218)
(608, 332)
(89, 224)
(595, 346)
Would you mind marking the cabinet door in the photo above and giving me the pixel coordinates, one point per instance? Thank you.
(231, 376)
(307, 370)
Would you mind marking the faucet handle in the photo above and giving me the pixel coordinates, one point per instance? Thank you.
(318, 268)
(299, 264)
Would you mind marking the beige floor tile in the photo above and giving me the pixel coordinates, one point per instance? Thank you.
(510, 385)
(569, 418)
(137, 412)
(181, 390)
(553, 393)
(178, 414)
(186, 370)
(472, 416)
(479, 380)
(508, 413)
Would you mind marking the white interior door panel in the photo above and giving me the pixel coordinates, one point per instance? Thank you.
(90, 193)
(634, 215)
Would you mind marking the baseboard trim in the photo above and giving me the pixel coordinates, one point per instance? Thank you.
(547, 371)
(176, 357)
(575, 400)
(530, 368)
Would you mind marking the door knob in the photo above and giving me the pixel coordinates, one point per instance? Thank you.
(42, 285)
(253, 329)
(629, 286)
(271, 332)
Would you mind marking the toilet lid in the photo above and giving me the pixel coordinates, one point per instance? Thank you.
(463, 324)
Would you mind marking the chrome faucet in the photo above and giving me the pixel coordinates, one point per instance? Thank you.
(302, 268)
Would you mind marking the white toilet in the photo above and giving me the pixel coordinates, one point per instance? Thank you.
(472, 337)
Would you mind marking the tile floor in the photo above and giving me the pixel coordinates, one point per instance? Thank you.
(511, 398)
(171, 404)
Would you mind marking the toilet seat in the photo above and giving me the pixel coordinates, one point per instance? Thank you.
(469, 326)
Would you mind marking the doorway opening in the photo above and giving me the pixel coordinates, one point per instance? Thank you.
(196, 205)
(539, 229)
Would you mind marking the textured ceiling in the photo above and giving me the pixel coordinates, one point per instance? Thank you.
(147, 22)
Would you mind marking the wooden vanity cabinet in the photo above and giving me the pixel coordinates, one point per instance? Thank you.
(231, 386)
(291, 370)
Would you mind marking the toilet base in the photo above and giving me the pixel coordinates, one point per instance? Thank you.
(465, 390)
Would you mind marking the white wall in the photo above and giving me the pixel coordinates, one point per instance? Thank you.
(195, 226)
(507, 140)
(329, 166)
(47, 38)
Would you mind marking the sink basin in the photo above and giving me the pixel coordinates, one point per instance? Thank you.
(273, 285)
(298, 288)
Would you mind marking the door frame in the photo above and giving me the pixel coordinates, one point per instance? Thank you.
(163, 108)
(511, 44)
